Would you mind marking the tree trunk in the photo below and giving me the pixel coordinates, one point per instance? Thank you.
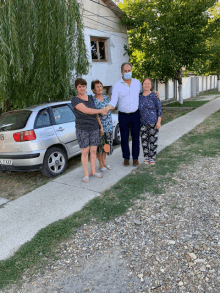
(167, 90)
(178, 76)
(180, 93)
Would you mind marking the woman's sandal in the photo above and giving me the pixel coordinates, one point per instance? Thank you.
(86, 179)
(146, 162)
(104, 169)
(99, 175)
(108, 167)
(152, 162)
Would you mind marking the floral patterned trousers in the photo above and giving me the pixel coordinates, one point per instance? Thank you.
(149, 139)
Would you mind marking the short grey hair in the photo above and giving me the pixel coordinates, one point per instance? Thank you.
(126, 63)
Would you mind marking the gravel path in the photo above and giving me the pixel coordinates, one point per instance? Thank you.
(165, 243)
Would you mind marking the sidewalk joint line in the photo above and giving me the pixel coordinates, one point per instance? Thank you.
(76, 186)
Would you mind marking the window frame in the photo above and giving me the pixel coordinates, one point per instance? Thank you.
(38, 114)
(57, 106)
(97, 40)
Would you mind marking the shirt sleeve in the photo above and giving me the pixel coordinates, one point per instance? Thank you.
(75, 101)
(140, 87)
(158, 106)
(114, 97)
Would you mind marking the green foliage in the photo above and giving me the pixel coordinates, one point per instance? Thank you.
(214, 43)
(210, 64)
(166, 35)
(41, 42)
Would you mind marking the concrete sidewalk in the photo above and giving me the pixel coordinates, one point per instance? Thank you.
(22, 218)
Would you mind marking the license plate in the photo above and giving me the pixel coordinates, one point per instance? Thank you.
(5, 161)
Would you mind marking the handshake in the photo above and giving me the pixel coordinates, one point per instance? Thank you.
(104, 111)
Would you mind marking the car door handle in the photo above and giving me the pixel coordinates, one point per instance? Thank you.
(60, 129)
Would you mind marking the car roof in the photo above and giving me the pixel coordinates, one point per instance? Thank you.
(49, 104)
(35, 108)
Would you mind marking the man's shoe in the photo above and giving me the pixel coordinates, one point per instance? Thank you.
(135, 163)
(126, 162)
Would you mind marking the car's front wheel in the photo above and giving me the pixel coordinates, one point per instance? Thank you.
(55, 162)
(117, 135)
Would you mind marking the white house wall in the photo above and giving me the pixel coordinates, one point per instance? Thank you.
(100, 17)
(108, 72)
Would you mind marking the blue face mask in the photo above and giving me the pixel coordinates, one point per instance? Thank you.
(127, 75)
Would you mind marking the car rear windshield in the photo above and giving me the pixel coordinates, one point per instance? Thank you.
(14, 120)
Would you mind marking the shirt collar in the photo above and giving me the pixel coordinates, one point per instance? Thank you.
(122, 80)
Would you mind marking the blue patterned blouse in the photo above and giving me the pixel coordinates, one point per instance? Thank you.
(105, 120)
(150, 108)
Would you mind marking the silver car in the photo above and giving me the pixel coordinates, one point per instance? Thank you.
(41, 138)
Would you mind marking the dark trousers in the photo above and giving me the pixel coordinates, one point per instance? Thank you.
(131, 122)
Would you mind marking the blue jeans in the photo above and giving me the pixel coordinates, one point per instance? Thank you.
(129, 121)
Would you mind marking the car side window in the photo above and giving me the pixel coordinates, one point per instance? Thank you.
(43, 119)
(63, 114)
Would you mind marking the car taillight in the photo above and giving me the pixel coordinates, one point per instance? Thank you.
(24, 136)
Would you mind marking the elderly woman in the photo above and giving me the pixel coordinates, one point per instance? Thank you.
(87, 127)
(150, 116)
(102, 101)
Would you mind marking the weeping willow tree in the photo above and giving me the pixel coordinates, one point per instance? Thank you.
(41, 42)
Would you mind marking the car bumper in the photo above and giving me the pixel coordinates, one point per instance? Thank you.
(11, 168)
(23, 162)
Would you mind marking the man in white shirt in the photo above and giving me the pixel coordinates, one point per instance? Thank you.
(126, 94)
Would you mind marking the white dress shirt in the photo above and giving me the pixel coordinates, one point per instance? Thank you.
(126, 96)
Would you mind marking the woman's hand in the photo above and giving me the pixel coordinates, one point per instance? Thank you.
(158, 95)
(158, 125)
(104, 111)
(101, 131)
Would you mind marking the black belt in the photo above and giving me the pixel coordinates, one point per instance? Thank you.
(127, 113)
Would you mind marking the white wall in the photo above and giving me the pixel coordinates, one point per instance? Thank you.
(93, 16)
(171, 88)
(200, 83)
(161, 90)
(186, 87)
(107, 72)
(208, 82)
(205, 83)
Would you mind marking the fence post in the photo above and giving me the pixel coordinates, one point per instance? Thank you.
(197, 85)
(192, 86)
(167, 90)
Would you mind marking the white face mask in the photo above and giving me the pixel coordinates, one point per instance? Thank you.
(127, 75)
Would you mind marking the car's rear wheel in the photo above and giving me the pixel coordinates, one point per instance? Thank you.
(117, 137)
(55, 162)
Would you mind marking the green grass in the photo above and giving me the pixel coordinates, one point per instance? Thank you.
(170, 115)
(204, 140)
(194, 104)
(210, 93)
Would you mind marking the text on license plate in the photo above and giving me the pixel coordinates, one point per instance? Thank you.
(5, 161)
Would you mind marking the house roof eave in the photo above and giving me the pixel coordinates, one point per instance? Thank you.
(117, 11)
